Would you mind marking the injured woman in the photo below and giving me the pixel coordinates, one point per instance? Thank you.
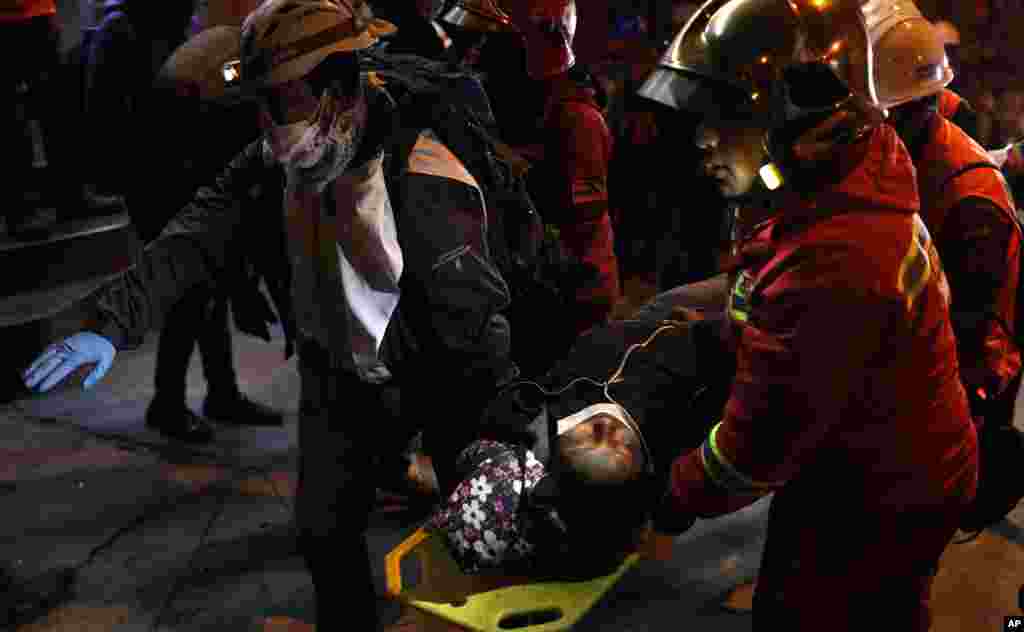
(568, 470)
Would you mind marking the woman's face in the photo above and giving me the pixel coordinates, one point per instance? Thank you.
(603, 448)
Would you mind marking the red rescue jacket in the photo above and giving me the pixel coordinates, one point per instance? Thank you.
(981, 245)
(575, 198)
(847, 379)
(949, 103)
(19, 10)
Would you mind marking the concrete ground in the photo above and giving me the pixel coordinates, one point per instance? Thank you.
(201, 540)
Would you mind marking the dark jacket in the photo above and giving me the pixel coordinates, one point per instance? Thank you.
(446, 324)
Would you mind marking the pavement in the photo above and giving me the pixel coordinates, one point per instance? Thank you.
(174, 538)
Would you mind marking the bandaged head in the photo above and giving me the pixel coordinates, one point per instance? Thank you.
(515, 513)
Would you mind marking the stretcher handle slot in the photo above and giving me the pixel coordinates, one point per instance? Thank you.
(530, 618)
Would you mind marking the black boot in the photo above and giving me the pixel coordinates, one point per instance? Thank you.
(238, 410)
(175, 421)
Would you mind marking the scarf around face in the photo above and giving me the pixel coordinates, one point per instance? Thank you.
(342, 237)
(316, 151)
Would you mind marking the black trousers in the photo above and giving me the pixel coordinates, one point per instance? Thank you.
(351, 434)
(347, 430)
(29, 54)
(201, 316)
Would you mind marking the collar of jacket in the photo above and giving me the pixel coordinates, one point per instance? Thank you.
(873, 175)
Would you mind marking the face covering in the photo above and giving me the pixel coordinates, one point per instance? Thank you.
(317, 151)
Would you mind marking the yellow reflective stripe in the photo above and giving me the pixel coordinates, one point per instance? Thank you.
(916, 269)
(725, 475)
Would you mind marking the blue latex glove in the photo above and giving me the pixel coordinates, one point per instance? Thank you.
(62, 359)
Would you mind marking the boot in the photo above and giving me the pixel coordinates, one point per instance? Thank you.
(175, 421)
(238, 410)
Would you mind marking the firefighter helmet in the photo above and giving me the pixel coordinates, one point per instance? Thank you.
(479, 15)
(784, 65)
(909, 52)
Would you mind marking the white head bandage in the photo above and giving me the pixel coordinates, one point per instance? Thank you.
(565, 424)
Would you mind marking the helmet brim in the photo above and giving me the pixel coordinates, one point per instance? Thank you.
(476, 21)
(696, 94)
(301, 66)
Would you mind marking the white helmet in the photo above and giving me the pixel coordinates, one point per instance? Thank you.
(910, 59)
(283, 40)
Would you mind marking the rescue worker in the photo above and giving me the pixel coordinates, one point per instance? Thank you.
(477, 18)
(965, 201)
(471, 21)
(847, 403)
(389, 302)
(571, 189)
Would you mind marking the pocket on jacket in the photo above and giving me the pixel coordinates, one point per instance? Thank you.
(466, 290)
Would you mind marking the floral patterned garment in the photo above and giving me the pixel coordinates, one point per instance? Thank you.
(481, 522)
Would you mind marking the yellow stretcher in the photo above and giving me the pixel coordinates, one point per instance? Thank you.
(447, 599)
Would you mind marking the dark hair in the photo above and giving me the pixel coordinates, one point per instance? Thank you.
(602, 522)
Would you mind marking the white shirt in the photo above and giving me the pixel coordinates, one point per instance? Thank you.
(348, 309)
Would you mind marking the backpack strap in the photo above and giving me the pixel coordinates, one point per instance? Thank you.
(970, 167)
(398, 148)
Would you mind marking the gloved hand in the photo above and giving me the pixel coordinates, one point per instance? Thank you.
(62, 359)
